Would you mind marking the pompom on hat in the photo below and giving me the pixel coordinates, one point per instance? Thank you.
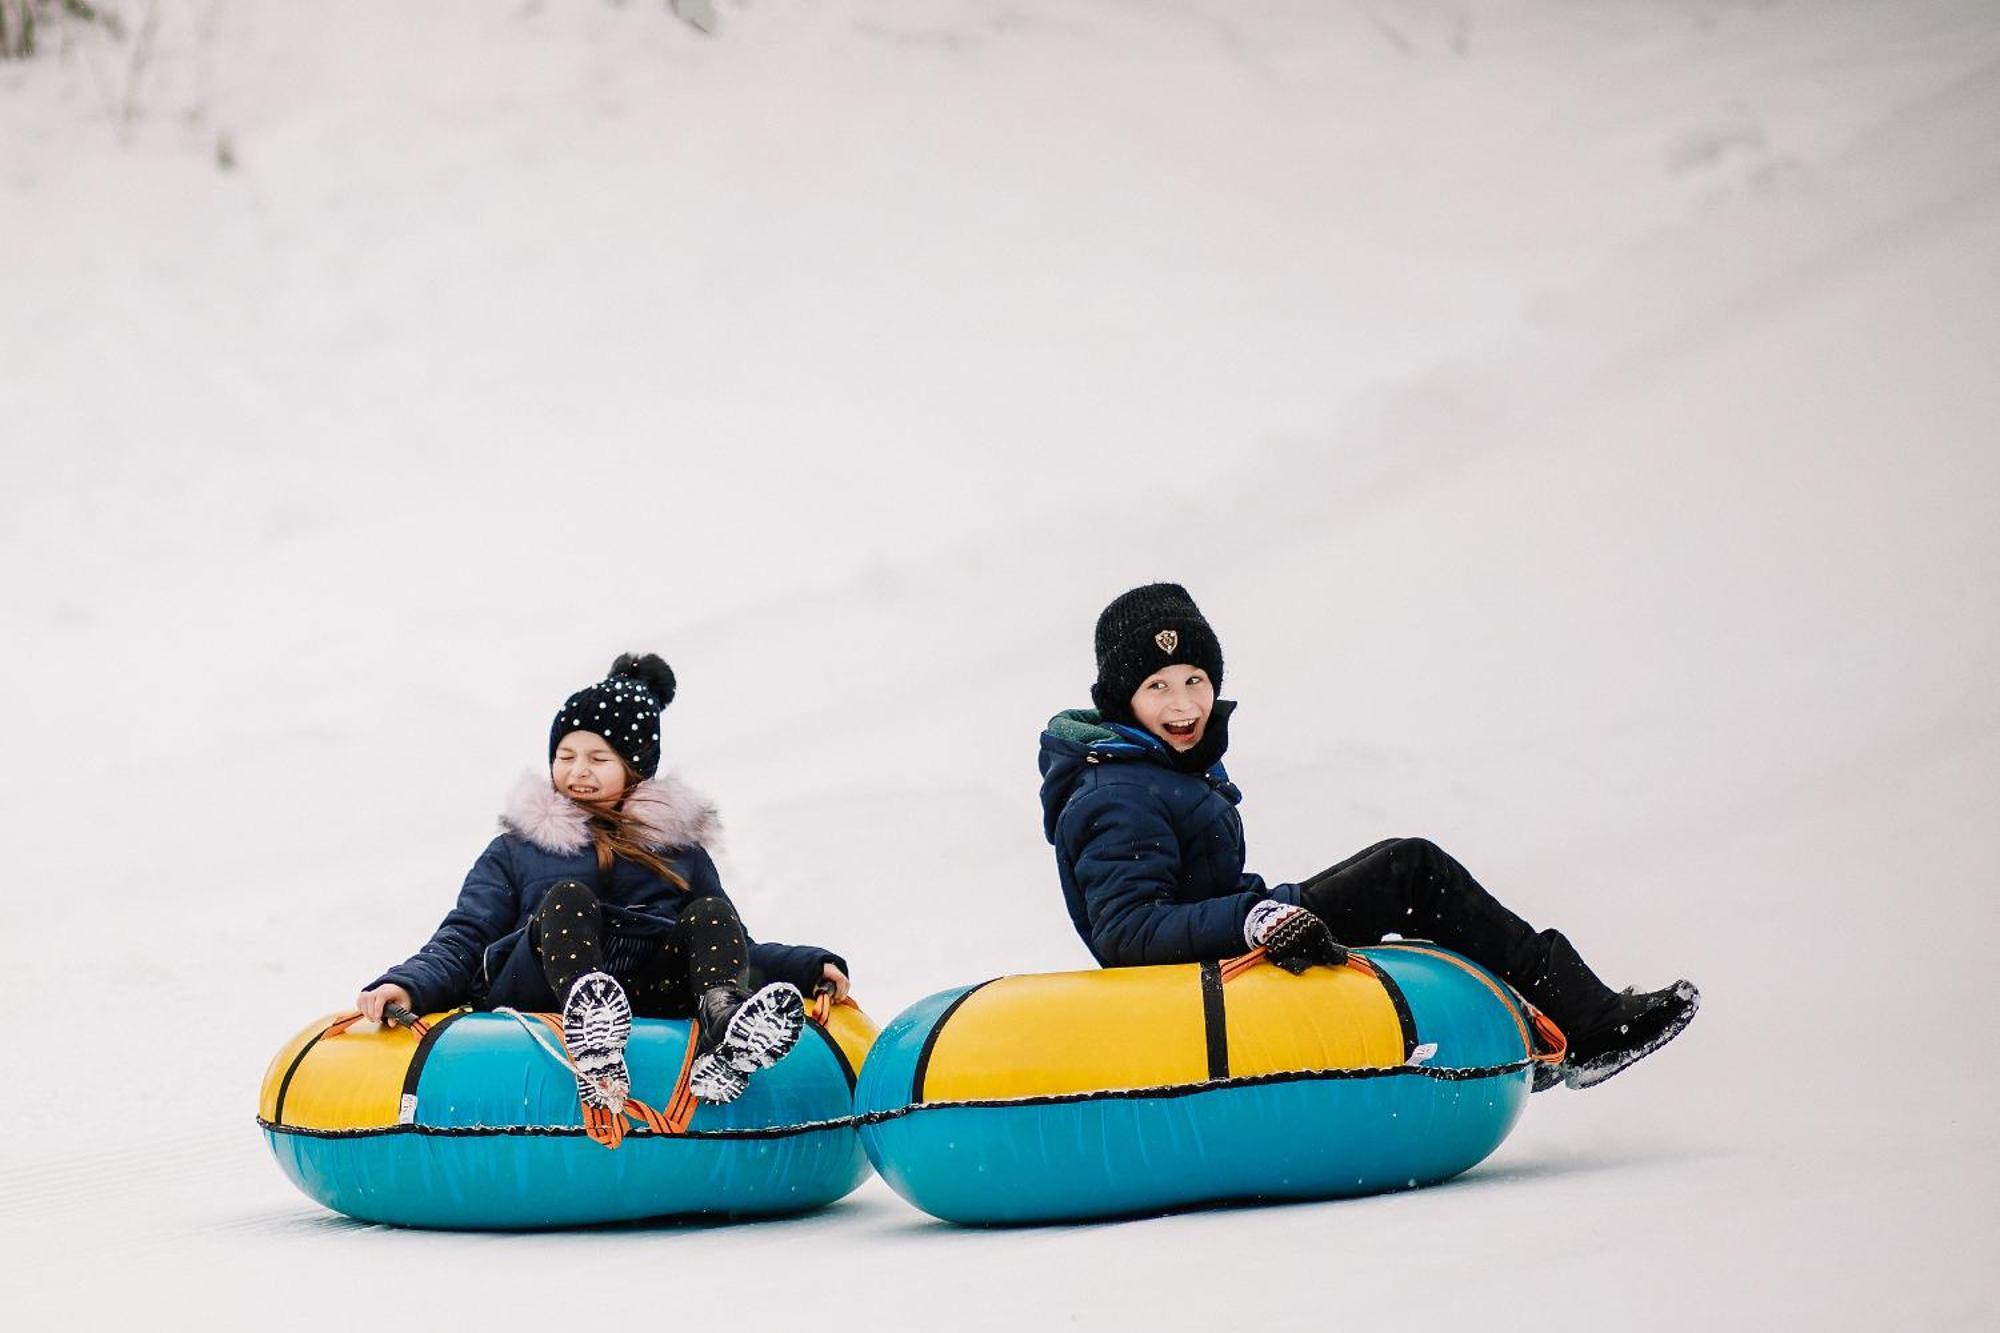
(624, 708)
(1143, 630)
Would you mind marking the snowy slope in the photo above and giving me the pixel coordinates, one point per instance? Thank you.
(1577, 421)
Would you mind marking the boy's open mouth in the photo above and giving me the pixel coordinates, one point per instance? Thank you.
(1180, 728)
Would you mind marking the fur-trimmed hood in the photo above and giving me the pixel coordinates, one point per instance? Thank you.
(670, 814)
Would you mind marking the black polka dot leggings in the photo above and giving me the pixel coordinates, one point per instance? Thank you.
(663, 974)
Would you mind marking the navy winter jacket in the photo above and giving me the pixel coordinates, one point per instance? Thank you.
(1151, 858)
(545, 839)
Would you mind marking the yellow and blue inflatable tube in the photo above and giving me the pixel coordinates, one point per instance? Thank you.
(476, 1124)
(1138, 1090)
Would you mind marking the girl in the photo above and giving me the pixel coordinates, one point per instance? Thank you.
(599, 898)
(1150, 849)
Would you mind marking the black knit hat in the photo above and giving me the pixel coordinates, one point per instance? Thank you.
(624, 708)
(1140, 632)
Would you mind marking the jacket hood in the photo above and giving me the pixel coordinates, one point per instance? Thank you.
(1078, 738)
(1067, 743)
(669, 813)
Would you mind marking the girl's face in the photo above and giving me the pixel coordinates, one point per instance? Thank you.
(1174, 703)
(586, 768)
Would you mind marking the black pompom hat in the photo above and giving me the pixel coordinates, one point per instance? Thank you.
(624, 708)
(1143, 630)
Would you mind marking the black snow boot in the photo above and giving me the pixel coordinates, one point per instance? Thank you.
(1641, 1024)
(741, 1033)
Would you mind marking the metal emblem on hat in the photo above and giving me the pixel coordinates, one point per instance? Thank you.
(1168, 639)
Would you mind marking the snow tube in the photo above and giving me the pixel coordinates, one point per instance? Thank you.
(475, 1123)
(1136, 1090)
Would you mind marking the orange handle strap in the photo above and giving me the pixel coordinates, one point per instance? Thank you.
(602, 1126)
(823, 1005)
(680, 1102)
(608, 1129)
(599, 1124)
(1233, 968)
(1549, 1038)
(416, 1025)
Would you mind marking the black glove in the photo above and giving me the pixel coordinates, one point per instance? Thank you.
(1295, 940)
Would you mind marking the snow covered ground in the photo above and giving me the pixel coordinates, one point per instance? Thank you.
(1580, 423)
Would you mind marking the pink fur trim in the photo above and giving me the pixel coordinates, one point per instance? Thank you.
(670, 814)
(673, 813)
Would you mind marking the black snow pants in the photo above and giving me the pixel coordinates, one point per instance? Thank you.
(1410, 887)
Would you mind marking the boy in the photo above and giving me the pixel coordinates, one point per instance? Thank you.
(1143, 819)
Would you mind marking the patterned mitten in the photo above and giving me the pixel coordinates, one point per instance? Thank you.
(1292, 937)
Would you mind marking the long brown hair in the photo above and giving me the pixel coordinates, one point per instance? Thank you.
(617, 834)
